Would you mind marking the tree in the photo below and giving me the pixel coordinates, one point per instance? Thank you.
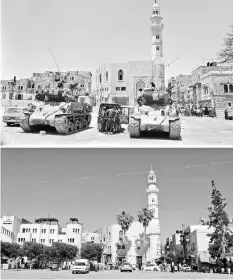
(11, 250)
(124, 220)
(144, 217)
(218, 221)
(92, 251)
(142, 244)
(226, 54)
(63, 252)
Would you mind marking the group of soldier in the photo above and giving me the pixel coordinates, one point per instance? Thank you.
(109, 120)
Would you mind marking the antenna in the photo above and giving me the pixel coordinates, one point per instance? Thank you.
(164, 68)
(54, 59)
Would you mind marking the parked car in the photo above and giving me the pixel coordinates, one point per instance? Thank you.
(126, 267)
(186, 267)
(151, 267)
(81, 266)
(55, 266)
(12, 114)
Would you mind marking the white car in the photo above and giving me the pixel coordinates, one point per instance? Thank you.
(151, 267)
(81, 266)
(186, 267)
(126, 267)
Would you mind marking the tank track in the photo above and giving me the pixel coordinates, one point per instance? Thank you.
(24, 124)
(175, 129)
(66, 125)
(134, 128)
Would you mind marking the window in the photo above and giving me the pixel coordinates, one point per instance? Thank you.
(24, 230)
(153, 200)
(226, 88)
(70, 240)
(18, 239)
(100, 78)
(43, 230)
(157, 48)
(21, 87)
(104, 239)
(42, 240)
(229, 104)
(34, 230)
(52, 231)
(118, 88)
(123, 88)
(157, 37)
(51, 241)
(71, 78)
(123, 246)
(34, 240)
(231, 88)
(75, 230)
(120, 75)
(118, 247)
(106, 76)
(92, 238)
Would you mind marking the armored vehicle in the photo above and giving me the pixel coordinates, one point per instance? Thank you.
(66, 114)
(155, 112)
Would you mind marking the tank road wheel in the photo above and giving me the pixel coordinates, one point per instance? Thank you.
(72, 128)
(134, 128)
(62, 125)
(80, 124)
(76, 125)
(174, 129)
(24, 123)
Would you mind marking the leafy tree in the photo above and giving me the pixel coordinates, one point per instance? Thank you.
(63, 252)
(142, 244)
(218, 221)
(226, 54)
(11, 250)
(144, 217)
(91, 251)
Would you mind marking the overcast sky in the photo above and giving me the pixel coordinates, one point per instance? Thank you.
(86, 183)
(84, 33)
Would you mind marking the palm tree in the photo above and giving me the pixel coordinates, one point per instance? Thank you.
(125, 220)
(144, 217)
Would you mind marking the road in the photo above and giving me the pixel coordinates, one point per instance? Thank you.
(197, 132)
(108, 274)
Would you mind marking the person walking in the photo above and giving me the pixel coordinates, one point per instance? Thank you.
(226, 114)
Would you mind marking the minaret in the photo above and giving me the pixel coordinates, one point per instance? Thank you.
(153, 228)
(157, 46)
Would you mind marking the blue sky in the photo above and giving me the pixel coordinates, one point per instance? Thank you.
(85, 183)
(84, 33)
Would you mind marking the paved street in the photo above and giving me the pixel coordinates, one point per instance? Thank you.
(106, 274)
(195, 132)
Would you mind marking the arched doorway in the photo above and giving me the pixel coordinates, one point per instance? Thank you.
(140, 85)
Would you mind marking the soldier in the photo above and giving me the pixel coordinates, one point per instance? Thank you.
(110, 114)
(117, 119)
(226, 114)
(103, 120)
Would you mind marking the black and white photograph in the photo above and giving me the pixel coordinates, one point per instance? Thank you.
(106, 73)
(116, 139)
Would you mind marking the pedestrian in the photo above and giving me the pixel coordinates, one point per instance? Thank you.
(172, 267)
(226, 114)
(110, 115)
(103, 120)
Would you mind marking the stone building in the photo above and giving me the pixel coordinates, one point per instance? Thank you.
(210, 86)
(123, 83)
(47, 230)
(21, 91)
(10, 226)
(119, 248)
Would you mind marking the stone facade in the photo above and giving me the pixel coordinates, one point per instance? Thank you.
(123, 83)
(24, 90)
(210, 86)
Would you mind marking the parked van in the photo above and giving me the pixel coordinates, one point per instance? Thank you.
(81, 266)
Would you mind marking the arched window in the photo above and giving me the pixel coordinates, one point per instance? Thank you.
(18, 87)
(139, 88)
(33, 85)
(100, 78)
(157, 48)
(231, 88)
(120, 75)
(21, 87)
(226, 88)
(106, 76)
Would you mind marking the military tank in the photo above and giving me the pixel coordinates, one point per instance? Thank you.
(155, 112)
(64, 113)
